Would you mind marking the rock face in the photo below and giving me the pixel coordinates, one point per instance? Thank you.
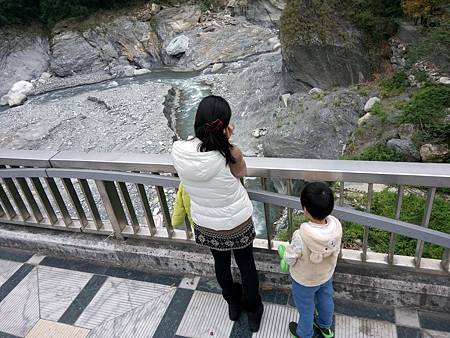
(314, 128)
(321, 47)
(107, 46)
(24, 55)
(406, 147)
(434, 152)
(265, 12)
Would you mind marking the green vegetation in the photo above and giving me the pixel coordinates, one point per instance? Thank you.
(394, 85)
(383, 204)
(50, 11)
(378, 152)
(427, 110)
(433, 47)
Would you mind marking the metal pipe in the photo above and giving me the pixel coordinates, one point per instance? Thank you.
(68, 185)
(267, 220)
(398, 209)
(8, 207)
(59, 201)
(129, 204)
(91, 203)
(365, 243)
(51, 215)
(425, 222)
(147, 210)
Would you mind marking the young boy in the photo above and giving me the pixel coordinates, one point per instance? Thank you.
(312, 257)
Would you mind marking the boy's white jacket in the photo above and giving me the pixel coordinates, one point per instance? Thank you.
(313, 252)
(218, 199)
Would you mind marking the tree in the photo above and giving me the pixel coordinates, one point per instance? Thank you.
(420, 9)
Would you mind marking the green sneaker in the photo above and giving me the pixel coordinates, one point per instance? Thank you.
(326, 333)
(293, 329)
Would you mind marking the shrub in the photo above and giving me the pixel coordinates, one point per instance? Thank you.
(394, 85)
(378, 152)
(427, 110)
(18, 12)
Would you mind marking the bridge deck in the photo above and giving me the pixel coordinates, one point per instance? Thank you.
(50, 297)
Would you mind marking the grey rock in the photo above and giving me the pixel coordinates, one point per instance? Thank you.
(21, 87)
(142, 71)
(370, 103)
(328, 52)
(265, 12)
(444, 80)
(173, 21)
(16, 99)
(434, 152)
(24, 55)
(407, 32)
(363, 119)
(216, 67)
(315, 92)
(312, 128)
(285, 98)
(178, 45)
(4, 100)
(405, 147)
(45, 76)
(406, 131)
(257, 133)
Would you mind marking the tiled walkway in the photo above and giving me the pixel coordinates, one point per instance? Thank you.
(50, 297)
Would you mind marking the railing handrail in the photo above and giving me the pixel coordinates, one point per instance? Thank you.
(404, 173)
(343, 213)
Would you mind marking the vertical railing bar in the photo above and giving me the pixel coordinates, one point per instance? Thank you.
(290, 220)
(68, 185)
(366, 228)
(15, 195)
(165, 210)
(398, 209)
(37, 214)
(147, 210)
(51, 215)
(341, 204)
(59, 201)
(130, 208)
(91, 203)
(2, 212)
(267, 216)
(8, 207)
(188, 226)
(425, 222)
(113, 206)
(445, 262)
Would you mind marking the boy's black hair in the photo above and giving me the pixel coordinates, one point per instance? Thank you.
(318, 199)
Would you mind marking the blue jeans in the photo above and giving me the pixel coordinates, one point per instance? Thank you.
(306, 299)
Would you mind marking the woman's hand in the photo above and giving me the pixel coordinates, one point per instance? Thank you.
(229, 130)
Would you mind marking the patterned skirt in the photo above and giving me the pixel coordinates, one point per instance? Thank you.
(225, 240)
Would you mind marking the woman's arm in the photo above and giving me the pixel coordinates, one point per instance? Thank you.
(239, 168)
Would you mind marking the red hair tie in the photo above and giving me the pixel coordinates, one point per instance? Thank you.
(215, 125)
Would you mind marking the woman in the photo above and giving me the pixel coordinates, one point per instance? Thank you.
(209, 167)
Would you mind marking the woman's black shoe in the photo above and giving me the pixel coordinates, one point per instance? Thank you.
(254, 318)
(293, 329)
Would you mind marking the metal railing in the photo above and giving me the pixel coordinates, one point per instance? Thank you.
(116, 194)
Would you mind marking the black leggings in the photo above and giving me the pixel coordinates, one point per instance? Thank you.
(249, 275)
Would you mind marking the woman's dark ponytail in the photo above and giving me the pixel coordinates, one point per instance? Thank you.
(213, 116)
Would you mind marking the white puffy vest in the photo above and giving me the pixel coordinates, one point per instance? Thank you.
(218, 199)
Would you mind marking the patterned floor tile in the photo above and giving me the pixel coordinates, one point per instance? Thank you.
(435, 334)
(354, 327)
(49, 329)
(20, 309)
(7, 269)
(275, 321)
(189, 283)
(141, 322)
(206, 316)
(116, 297)
(57, 290)
(406, 317)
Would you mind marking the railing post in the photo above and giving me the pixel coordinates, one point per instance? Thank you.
(268, 223)
(129, 204)
(113, 206)
(10, 185)
(59, 201)
(91, 203)
(366, 228)
(289, 210)
(68, 185)
(4, 200)
(147, 210)
(51, 215)
(445, 259)
(425, 222)
(398, 209)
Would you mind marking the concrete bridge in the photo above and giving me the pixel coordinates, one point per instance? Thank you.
(87, 248)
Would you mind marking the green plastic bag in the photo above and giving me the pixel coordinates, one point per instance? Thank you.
(284, 267)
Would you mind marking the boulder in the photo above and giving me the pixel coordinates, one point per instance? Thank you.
(265, 12)
(257, 133)
(315, 92)
(216, 67)
(45, 76)
(16, 99)
(434, 152)
(444, 80)
(4, 100)
(141, 71)
(370, 103)
(21, 87)
(363, 119)
(173, 21)
(178, 45)
(406, 131)
(405, 147)
(321, 46)
(24, 55)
